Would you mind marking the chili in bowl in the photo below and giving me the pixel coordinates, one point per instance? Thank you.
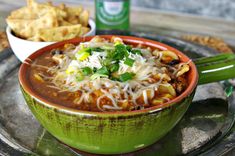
(109, 94)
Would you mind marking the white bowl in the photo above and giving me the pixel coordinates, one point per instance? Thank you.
(23, 48)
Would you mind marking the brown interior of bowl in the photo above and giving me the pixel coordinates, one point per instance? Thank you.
(192, 75)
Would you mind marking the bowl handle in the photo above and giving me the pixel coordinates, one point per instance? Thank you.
(215, 68)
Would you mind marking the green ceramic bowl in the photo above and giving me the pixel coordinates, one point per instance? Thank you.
(105, 132)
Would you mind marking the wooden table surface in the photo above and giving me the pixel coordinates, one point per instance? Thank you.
(152, 20)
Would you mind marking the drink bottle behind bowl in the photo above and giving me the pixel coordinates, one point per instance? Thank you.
(112, 14)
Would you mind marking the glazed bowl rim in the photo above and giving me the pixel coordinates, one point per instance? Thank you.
(24, 83)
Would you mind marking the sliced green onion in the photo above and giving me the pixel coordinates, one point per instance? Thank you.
(114, 67)
(70, 70)
(79, 76)
(126, 76)
(106, 47)
(110, 54)
(129, 62)
(106, 62)
(86, 71)
(103, 71)
(97, 75)
(117, 43)
(94, 69)
(117, 56)
(82, 56)
(136, 51)
(128, 47)
(120, 52)
(97, 49)
(88, 50)
(114, 78)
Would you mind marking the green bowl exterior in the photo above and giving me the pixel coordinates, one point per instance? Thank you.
(109, 133)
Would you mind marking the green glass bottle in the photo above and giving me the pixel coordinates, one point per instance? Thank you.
(112, 14)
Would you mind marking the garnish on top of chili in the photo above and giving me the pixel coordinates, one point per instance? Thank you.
(103, 75)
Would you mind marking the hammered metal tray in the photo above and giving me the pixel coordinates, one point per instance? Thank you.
(202, 130)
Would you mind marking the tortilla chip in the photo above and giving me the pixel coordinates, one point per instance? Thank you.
(45, 8)
(62, 22)
(62, 6)
(35, 38)
(60, 33)
(73, 20)
(23, 13)
(73, 14)
(35, 21)
(84, 17)
(35, 10)
(49, 3)
(28, 28)
(74, 11)
(84, 30)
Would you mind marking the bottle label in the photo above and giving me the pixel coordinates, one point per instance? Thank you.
(113, 8)
(113, 12)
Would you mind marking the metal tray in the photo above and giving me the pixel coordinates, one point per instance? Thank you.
(205, 129)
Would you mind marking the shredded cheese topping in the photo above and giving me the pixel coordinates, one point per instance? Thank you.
(136, 77)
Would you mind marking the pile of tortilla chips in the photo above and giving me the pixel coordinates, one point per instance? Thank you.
(45, 22)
